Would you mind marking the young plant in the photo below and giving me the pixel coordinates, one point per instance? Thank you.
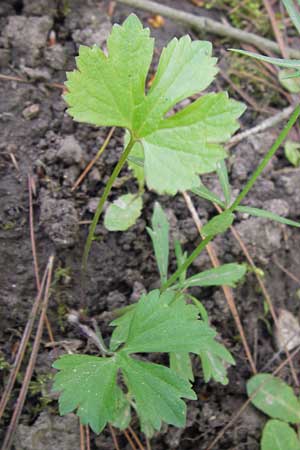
(276, 399)
(172, 150)
(105, 389)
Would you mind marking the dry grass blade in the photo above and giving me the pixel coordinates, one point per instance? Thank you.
(29, 371)
(114, 437)
(22, 347)
(130, 441)
(248, 401)
(286, 271)
(226, 289)
(92, 162)
(88, 438)
(276, 29)
(135, 437)
(34, 254)
(264, 291)
(82, 437)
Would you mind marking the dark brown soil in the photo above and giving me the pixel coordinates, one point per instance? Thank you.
(121, 264)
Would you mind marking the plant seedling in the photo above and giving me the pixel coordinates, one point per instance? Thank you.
(276, 399)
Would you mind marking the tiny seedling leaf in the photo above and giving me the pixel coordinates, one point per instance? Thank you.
(88, 384)
(110, 91)
(267, 215)
(154, 321)
(274, 397)
(157, 392)
(218, 224)
(123, 212)
(292, 152)
(213, 360)
(160, 240)
(224, 180)
(227, 274)
(278, 435)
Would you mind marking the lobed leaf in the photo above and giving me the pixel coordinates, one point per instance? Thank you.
(213, 359)
(157, 392)
(274, 397)
(88, 385)
(180, 363)
(110, 90)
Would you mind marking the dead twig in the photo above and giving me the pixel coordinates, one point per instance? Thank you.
(286, 271)
(268, 123)
(276, 29)
(204, 24)
(88, 438)
(82, 440)
(135, 437)
(92, 162)
(114, 437)
(226, 289)
(10, 433)
(130, 441)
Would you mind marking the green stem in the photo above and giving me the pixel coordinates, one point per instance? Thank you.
(267, 158)
(240, 197)
(187, 263)
(103, 199)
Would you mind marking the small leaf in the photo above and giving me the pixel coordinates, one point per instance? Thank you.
(293, 13)
(291, 63)
(155, 319)
(181, 257)
(278, 435)
(88, 384)
(181, 364)
(267, 215)
(292, 152)
(227, 274)
(274, 397)
(160, 240)
(157, 392)
(224, 181)
(213, 360)
(205, 193)
(218, 224)
(288, 81)
(123, 212)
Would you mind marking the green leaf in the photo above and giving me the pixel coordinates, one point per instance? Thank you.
(205, 193)
(266, 215)
(157, 392)
(291, 63)
(105, 90)
(180, 363)
(213, 360)
(224, 181)
(293, 13)
(181, 257)
(274, 397)
(154, 321)
(88, 384)
(227, 274)
(292, 152)
(278, 435)
(136, 161)
(123, 212)
(110, 90)
(121, 331)
(122, 416)
(218, 224)
(290, 82)
(160, 240)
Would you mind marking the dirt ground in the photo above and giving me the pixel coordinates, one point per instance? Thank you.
(37, 133)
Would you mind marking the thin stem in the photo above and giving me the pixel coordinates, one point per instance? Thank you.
(240, 197)
(188, 262)
(103, 199)
(267, 158)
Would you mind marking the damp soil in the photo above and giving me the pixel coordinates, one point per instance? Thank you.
(39, 139)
